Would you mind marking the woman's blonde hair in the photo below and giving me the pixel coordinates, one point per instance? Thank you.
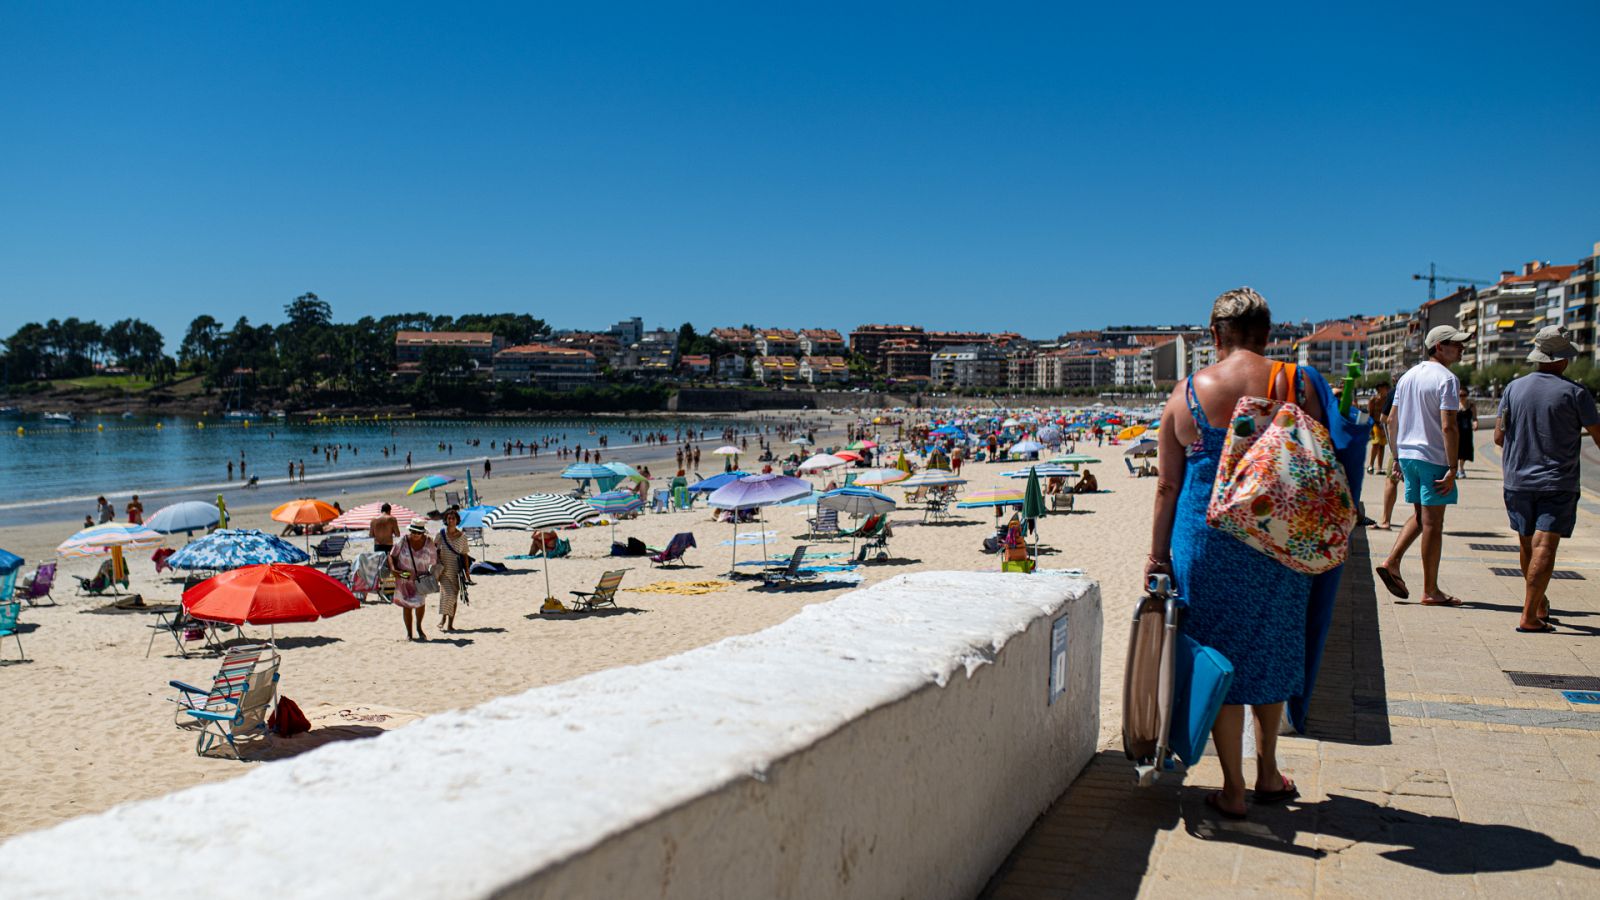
(1242, 316)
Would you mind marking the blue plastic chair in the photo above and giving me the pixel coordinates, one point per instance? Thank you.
(8, 624)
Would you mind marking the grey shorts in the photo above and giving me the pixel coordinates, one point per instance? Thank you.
(1530, 511)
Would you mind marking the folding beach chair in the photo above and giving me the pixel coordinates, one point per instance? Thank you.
(937, 510)
(475, 537)
(38, 585)
(452, 498)
(661, 502)
(1061, 501)
(824, 525)
(340, 572)
(604, 593)
(676, 548)
(790, 573)
(8, 625)
(229, 721)
(371, 575)
(329, 548)
(184, 629)
(229, 682)
(877, 540)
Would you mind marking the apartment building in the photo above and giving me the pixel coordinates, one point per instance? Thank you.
(968, 366)
(480, 346)
(741, 340)
(778, 342)
(1582, 294)
(1513, 309)
(1386, 345)
(822, 342)
(776, 370)
(904, 358)
(547, 366)
(868, 341)
(1328, 349)
(824, 370)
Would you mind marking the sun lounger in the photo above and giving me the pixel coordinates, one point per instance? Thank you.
(866, 528)
(676, 548)
(8, 625)
(1063, 500)
(340, 572)
(330, 548)
(101, 582)
(38, 585)
(604, 593)
(237, 709)
(790, 573)
(824, 525)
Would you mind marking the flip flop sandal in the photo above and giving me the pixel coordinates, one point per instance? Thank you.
(1289, 792)
(1544, 628)
(1214, 800)
(1393, 583)
(1453, 601)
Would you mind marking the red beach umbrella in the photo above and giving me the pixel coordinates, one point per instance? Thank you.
(269, 595)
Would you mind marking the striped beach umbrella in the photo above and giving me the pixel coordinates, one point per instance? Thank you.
(429, 483)
(539, 511)
(616, 504)
(992, 498)
(360, 518)
(881, 477)
(99, 540)
(1044, 470)
(232, 548)
(932, 478)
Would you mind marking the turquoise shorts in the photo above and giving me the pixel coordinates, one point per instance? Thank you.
(1420, 476)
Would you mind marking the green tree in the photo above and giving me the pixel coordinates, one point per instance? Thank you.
(200, 343)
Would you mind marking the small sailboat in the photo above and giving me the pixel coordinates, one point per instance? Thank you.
(60, 418)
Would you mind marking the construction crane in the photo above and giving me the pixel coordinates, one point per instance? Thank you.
(1433, 278)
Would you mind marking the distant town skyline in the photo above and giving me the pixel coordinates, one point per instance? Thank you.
(1033, 169)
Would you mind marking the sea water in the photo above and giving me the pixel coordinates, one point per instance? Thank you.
(110, 454)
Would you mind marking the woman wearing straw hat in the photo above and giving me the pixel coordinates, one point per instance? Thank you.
(413, 562)
(454, 561)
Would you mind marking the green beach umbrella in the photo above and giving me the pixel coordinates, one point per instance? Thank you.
(1033, 506)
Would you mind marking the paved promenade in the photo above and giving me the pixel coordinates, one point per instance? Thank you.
(1428, 771)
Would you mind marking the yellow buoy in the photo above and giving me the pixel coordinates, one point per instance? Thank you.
(158, 426)
(247, 423)
(100, 427)
(199, 424)
(21, 431)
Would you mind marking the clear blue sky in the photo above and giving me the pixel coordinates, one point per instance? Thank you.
(1031, 167)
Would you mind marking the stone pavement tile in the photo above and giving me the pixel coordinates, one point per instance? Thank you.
(1469, 787)
(1174, 887)
(1374, 883)
(1438, 807)
(1351, 776)
(1276, 870)
(1519, 885)
(1420, 782)
(1490, 809)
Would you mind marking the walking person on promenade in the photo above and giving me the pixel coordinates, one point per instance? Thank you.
(1423, 429)
(454, 563)
(1540, 428)
(1466, 424)
(384, 530)
(412, 561)
(1242, 602)
(1378, 412)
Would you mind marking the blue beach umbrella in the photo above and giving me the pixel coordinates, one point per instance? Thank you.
(707, 485)
(473, 516)
(604, 477)
(231, 548)
(9, 562)
(614, 504)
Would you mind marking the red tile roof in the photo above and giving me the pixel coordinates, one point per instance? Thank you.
(1548, 273)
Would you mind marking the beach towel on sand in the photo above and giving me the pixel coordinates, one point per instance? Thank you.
(685, 588)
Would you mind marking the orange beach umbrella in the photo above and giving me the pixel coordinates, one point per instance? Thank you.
(305, 512)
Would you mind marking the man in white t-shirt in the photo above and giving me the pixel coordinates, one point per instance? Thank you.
(1422, 436)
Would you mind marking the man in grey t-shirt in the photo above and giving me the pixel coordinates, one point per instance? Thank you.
(1540, 430)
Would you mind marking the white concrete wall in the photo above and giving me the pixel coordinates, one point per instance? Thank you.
(895, 742)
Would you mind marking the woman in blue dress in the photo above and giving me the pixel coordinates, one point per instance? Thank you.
(1241, 602)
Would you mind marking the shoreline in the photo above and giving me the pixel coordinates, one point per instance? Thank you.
(269, 493)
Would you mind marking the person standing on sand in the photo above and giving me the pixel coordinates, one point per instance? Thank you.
(454, 563)
(105, 512)
(302, 471)
(230, 470)
(1242, 602)
(410, 560)
(135, 511)
(384, 530)
(1423, 431)
(1540, 426)
(486, 468)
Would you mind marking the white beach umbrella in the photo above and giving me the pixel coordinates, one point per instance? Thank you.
(822, 461)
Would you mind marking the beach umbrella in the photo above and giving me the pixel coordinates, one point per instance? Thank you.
(1142, 447)
(820, 462)
(881, 477)
(1033, 507)
(603, 476)
(932, 478)
(758, 492)
(1131, 432)
(472, 494)
(112, 538)
(188, 516)
(1044, 470)
(305, 512)
(858, 502)
(726, 450)
(269, 594)
(360, 518)
(1074, 459)
(231, 548)
(848, 455)
(708, 485)
(539, 511)
(807, 500)
(902, 463)
(614, 504)
(473, 516)
(992, 498)
(1026, 447)
(9, 562)
(801, 440)
(860, 445)
(429, 483)
(625, 472)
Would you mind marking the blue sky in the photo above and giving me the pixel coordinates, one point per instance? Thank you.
(1031, 167)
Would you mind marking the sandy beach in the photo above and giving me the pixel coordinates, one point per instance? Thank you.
(88, 723)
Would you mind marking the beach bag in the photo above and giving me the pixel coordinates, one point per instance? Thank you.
(288, 719)
(1280, 487)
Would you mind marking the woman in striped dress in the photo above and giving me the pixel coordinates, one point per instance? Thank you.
(453, 565)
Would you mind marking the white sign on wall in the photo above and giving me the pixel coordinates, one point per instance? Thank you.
(1058, 657)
